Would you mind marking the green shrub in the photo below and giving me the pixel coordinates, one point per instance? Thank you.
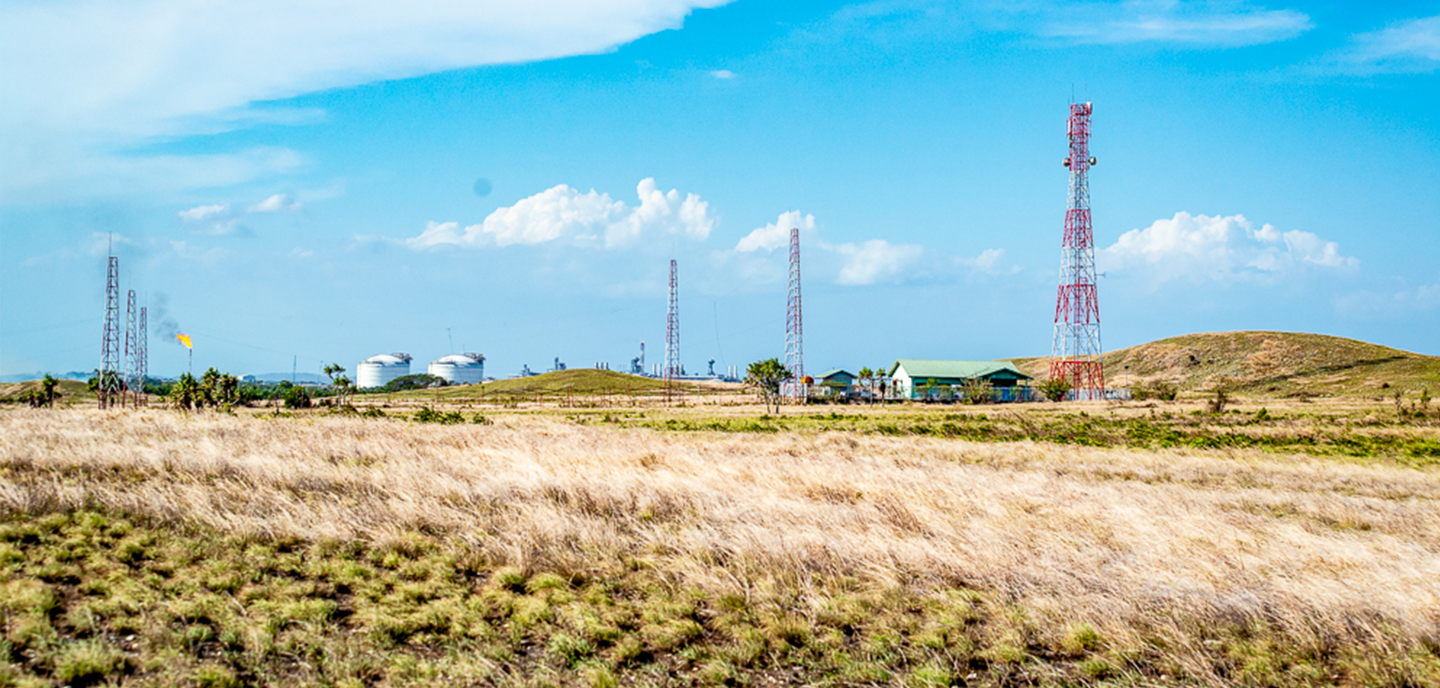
(297, 398)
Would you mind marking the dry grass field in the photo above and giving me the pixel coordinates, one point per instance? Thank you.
(158, 548)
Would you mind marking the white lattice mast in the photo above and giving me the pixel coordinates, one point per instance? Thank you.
(1075, 353)
(795, 325)
(672, 334)
(143, 359)
(132, 349)
(108, 390)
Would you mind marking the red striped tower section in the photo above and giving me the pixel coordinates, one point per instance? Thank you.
(1075, 350)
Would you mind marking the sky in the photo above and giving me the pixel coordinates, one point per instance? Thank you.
(301, 183)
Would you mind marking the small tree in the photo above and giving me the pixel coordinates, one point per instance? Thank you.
(865, 377)
(882, 381)
(47, 387)
(766, 377)
(1055, 388)
(185, 393)
(297, 398)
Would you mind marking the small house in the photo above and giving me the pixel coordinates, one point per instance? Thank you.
(914, 378)
(835, 384)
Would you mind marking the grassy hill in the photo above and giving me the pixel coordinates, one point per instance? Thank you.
(578, 382)
(1267, 364)
(70, 391)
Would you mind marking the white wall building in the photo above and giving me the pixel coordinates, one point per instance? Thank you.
(379, 370)
(459, 369)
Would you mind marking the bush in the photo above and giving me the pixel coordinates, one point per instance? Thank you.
(297, 398)
(1055, 388)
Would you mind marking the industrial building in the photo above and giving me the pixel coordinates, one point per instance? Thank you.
(459, 369)
(379, 370)
(913, 378)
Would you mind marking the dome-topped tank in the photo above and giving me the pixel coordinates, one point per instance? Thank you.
(459, 369)
(379, 370)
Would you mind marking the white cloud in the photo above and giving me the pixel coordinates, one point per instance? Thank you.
(201, 212)
(722, 74)
(561, 213)
(278, 203)
(1409, 46)
(777, 233)
(1371, 304)
(86, 79)
(1221, 249)
(1221, 24)
(988, 261)
(1192, 23)
(876, 260)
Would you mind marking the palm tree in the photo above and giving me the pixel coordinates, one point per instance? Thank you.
(340, 383)
(864, 376)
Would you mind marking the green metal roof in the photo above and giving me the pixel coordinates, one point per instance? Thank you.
(835, 372)
(924, 369)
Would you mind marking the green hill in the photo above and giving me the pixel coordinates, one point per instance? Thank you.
(1262, 363)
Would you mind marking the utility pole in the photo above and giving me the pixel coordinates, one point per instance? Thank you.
(672, 336)
(108, 389)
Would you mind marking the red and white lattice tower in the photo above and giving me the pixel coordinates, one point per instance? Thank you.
(672, 368)
(109, 380)
(142, 358)
(132, 347)
(794, 326)
(1075, 350)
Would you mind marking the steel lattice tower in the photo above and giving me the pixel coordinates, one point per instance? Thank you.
(142, 357)
(672, 333)
(109, 380)
(794, 324)
(132, 347)
(1075, 353)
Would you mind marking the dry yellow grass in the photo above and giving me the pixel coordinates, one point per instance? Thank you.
(1139, 545)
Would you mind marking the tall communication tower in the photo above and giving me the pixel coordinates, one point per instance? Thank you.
(794, 325)
(143, 358)
(109, 388)
(132, 347)
(672, 334)
(1075, 354)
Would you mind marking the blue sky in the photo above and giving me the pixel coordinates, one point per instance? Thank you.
(330, 182)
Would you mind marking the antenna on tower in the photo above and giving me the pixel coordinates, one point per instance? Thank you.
(108, 388)
(672, 368)
(794, 326)
(1075, 353)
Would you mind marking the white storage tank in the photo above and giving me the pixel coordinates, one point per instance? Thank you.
(459, 369)
(379, 370)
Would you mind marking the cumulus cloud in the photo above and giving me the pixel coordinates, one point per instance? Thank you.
(84, 79)
(1221, 249)
(201, 212)
(777, 233)
(562, 213)
(278, 203)
(873, 261)
(1409, 46)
